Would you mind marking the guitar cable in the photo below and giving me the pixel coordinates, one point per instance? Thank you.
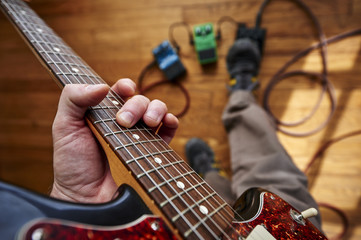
(143, 90)
(318, 154)
(327, 87)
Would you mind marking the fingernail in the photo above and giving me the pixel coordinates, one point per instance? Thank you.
(94, 87)
(153, 115)
(126, 119)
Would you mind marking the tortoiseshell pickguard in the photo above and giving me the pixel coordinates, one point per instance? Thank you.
(275, 216)
(149, 228)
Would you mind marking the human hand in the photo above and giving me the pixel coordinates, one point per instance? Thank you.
(81, 170)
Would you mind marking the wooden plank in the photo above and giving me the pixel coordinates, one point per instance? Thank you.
(116, 38)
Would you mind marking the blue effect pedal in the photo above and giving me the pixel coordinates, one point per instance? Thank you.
(168, 61)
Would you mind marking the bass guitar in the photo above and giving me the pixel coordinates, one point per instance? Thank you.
(160, 196)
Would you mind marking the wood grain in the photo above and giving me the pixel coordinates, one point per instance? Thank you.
(116, 38)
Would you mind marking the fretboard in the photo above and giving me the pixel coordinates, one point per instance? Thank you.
(190, 204)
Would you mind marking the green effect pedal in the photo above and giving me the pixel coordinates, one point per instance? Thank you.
(205, 43)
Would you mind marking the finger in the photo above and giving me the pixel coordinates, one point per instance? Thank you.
(155, 113)
(169, 127)
(132, 111)
(124, 88)
(76, 98)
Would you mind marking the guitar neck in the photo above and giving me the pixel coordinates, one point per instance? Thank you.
(61, 61)
(188, 203)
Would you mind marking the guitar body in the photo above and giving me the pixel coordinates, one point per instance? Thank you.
(25, 214)
(19, 206)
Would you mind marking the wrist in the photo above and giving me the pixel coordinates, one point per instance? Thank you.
(59, 193)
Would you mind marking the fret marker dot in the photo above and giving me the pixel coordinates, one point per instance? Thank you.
(203, 209)
(75, 70)
(56, 49)
(136, 136)
(158, 160)
(180, 185)
(23, 12)
(115, 102)
(39, 30)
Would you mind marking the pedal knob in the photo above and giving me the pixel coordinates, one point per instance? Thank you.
(311, 212)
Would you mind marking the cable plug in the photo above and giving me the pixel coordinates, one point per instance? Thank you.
(256, 34)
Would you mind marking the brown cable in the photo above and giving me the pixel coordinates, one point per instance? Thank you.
(345, 222)
(319, 152)
(327, 86)
(143, 90)
(279, 77)
(326, 145)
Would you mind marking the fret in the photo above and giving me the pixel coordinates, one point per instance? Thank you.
(38, 31)
(121, 138)
(183, 185)
(162, 204)
(104, 120)
(202, 222)
(137, 150)
(74, 78)
(148, 155)
(159, 168)
(197, 221)
(101, 108)
(105, 113)
(56, 48)
(26, 12)
(64, 60)
(111, 101)
(194, 205)
(129, 143)
(168, 181)
(118, 141)
(47, 44)
(134, 144)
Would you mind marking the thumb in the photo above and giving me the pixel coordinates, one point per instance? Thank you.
(76, 98)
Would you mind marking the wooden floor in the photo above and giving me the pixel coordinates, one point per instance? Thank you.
(116, 39)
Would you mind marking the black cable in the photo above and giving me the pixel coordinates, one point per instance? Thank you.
(260, 13)
(171, 37)
(219, 25)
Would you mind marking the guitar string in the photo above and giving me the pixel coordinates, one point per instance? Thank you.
(82, 68)
(173, 178)
(60, 68)
(56, 65)
(191, 184)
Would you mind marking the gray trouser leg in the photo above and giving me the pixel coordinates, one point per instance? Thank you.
(257, 157)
